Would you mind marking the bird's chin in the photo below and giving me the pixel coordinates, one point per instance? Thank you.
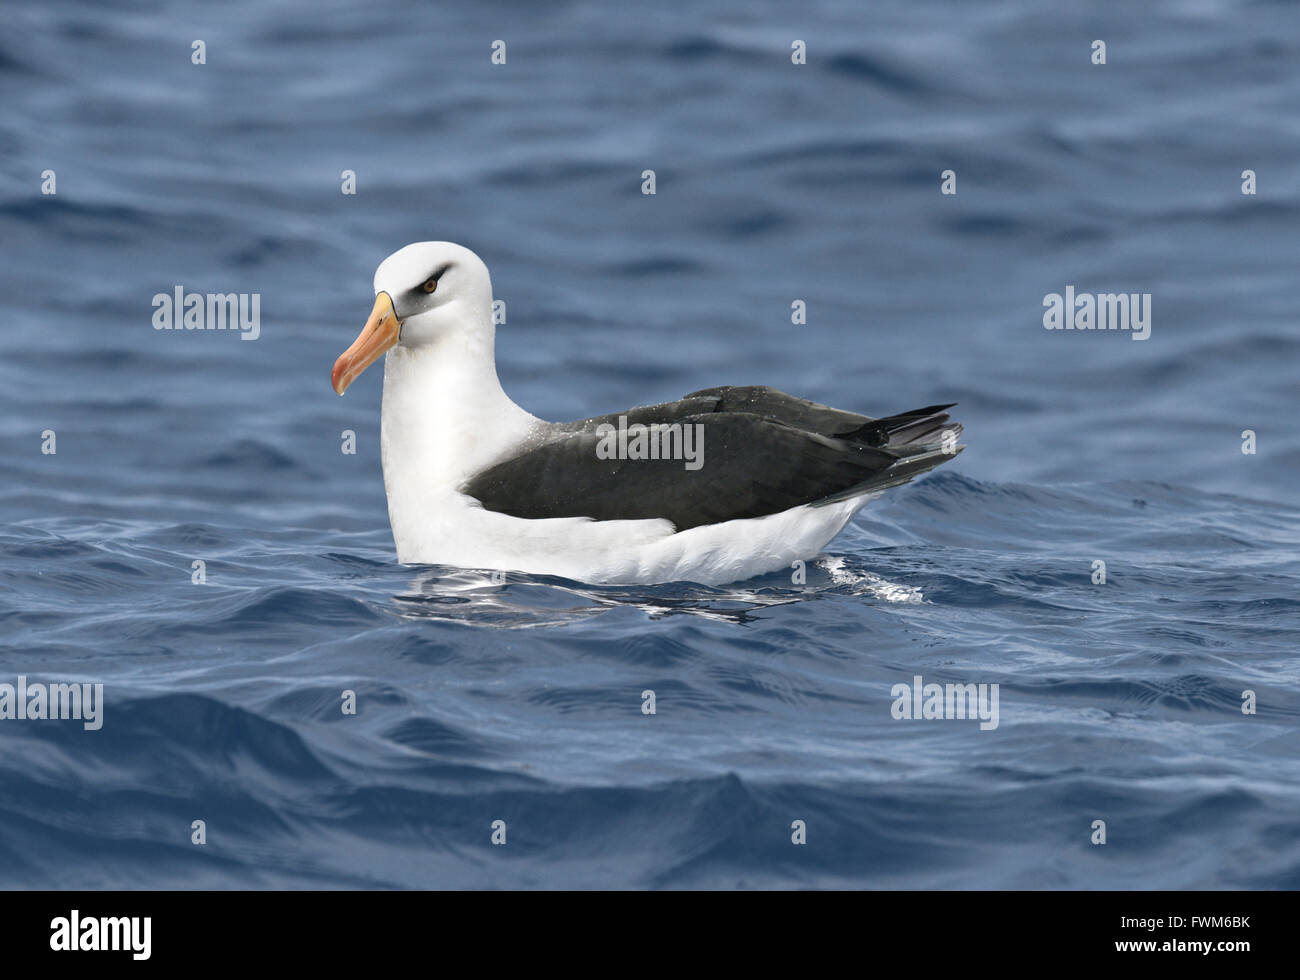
(382, 331)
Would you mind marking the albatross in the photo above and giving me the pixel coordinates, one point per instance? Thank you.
(719, 486)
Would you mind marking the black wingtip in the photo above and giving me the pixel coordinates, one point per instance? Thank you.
(901, 428)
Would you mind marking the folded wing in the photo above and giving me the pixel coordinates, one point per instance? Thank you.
(755, 451)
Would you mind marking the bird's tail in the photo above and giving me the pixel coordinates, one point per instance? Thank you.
(921, 439)
(912, 432)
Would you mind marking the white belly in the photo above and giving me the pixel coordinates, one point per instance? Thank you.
(456, 530)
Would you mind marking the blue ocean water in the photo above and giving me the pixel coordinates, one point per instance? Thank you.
(522, 701)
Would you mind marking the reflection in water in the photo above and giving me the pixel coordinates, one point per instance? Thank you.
(518, 601)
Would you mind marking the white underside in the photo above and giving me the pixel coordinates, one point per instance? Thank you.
(458, 531)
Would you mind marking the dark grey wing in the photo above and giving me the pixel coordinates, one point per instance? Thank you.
(772, 404)
(757, 400)
(750, 466)
(908, 428)
(665, 413)
(894, 431)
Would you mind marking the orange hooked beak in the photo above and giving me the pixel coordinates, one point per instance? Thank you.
(380, 333)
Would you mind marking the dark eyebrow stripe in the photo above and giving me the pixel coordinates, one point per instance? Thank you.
(417, 290)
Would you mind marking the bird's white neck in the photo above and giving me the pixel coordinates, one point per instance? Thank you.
(445, 417)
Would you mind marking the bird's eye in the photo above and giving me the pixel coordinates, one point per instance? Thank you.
(430, 284)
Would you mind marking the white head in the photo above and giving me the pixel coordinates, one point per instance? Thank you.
(424, 293)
